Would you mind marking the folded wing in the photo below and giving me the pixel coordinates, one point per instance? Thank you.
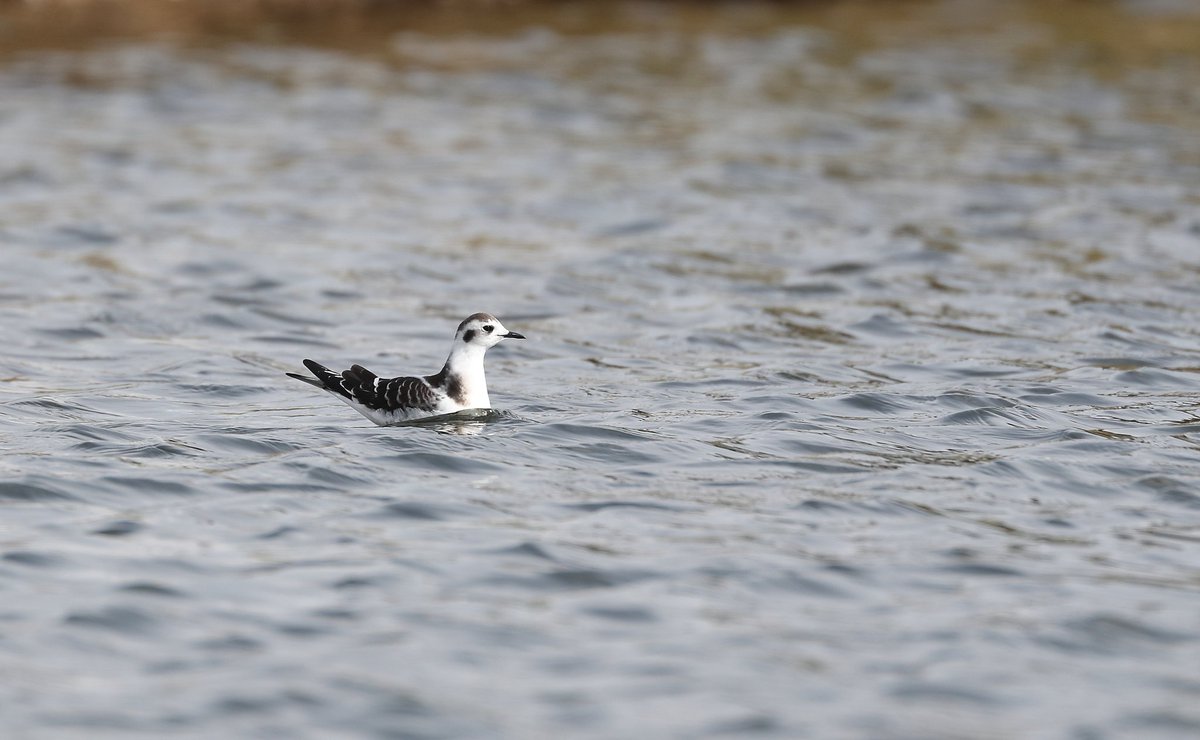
(381, 394)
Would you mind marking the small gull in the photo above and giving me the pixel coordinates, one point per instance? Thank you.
(459, 385)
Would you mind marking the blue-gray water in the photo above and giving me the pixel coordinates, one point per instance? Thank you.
(861, 397)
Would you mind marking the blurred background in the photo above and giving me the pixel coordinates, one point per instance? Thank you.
(861, 396)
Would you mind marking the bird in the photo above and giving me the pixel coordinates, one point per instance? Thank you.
(458, 386)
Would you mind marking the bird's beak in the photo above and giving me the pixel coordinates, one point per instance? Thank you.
(513, 335)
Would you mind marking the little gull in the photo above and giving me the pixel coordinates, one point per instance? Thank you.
(459, 385)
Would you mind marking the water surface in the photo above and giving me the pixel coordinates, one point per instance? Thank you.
(861, 396)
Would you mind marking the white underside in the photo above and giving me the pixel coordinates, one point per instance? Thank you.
(384, 418)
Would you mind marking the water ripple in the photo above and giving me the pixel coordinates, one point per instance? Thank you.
(858, 399)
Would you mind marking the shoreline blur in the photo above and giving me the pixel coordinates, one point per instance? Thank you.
(1111, 35)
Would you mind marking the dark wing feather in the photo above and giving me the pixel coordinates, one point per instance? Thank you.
(372, 391)
(330, 380)
(409, 393)
(306, 379)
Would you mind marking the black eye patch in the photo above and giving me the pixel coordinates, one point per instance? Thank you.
(468, 335)
(489, 328)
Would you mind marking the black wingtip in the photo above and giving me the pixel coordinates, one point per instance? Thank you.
(306, 379)
(316, 368)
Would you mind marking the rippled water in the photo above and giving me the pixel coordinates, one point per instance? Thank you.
(861, 396)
